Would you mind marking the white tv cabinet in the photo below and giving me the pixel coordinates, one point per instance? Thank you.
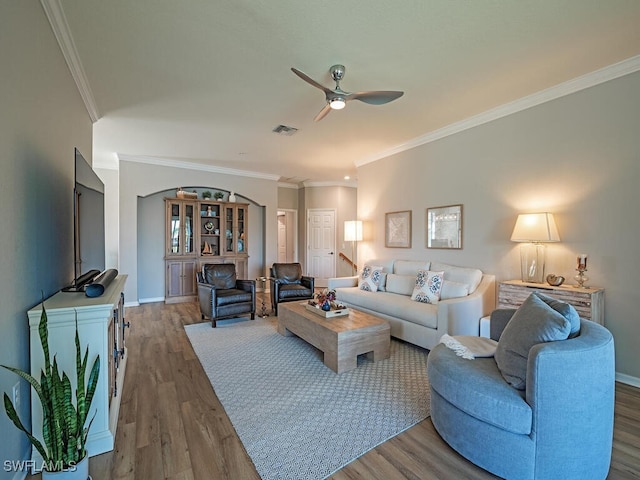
(101, 327)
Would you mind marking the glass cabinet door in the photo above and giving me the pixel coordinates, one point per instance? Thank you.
(174, 229)
(241, 243)
(188, 228)
(229, 230)
(181, 233)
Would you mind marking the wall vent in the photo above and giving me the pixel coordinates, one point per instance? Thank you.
(285, 130)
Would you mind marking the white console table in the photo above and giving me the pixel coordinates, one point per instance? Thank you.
(101, 327)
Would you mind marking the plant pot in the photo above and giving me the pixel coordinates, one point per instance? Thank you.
(79, 472)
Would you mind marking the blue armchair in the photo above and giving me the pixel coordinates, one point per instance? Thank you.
(560, 426)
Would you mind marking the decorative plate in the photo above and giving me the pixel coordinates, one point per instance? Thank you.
(208, 226)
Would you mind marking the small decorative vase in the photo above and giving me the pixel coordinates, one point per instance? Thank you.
(79, 472)
(326, 306)
(232, 197)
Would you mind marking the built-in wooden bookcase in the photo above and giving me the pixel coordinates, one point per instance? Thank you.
(200, 232)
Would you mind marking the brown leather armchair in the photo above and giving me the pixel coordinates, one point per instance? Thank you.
(222, 296)
(288, 284)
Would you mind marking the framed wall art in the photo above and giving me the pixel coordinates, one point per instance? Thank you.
(444, 227)
(397, 230)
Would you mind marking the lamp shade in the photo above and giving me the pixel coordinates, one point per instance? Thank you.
(535, 227)
(353, 231)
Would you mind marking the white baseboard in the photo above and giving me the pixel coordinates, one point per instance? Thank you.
(628, 379)
(150, 300)
(131, 304)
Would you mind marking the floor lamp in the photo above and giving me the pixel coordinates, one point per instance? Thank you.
(533, 230)
(353, 234)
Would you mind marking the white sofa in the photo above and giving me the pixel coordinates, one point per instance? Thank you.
(467, 296)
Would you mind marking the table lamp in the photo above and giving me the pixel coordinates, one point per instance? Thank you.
(533, 230)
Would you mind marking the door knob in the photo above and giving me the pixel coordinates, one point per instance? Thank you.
(330, 253)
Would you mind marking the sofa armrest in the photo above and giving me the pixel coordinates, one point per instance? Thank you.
(338, 282)
(207, 294)
(247, 285)
(571, 389)
(308, 282)
(464, 313)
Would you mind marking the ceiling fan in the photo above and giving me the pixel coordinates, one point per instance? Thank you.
(337, 98)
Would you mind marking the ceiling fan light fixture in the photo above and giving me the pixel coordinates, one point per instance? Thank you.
(337, 103)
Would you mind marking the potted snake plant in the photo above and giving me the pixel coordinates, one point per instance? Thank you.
(63, 421)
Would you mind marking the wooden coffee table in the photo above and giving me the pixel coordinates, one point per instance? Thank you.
(341, 339)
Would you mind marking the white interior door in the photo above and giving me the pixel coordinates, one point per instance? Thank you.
(282, 239)
(321, 245)
(287, 236)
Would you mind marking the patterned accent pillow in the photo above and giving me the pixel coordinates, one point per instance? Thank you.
(428, 286)
(370, 277)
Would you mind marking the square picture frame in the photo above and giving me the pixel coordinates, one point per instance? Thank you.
(397, 230)
(444, 227)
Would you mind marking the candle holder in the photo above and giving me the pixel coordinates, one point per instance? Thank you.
(581, 278)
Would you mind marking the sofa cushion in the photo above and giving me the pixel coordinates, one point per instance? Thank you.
(400, 284)
(294, 290)
(468, 276)
(220, 275)
(232, 295)
(477, 388)
(428, 286)
(533, 322)
(287, 273)
(385, 264)
(391, 304)
(383, 282)
(453, 290)
(566, 310)
(410, 267)
(370, 278)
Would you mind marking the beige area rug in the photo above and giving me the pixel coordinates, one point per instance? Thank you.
(297, 418)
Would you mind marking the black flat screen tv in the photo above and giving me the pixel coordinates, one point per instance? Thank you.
(88, 224)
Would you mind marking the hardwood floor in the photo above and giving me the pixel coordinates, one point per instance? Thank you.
(172, 425)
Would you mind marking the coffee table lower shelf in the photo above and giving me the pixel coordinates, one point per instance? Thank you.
(341, 339)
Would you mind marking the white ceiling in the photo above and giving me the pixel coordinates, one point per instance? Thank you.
(206, 81)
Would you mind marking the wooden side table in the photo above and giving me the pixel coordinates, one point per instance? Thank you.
(589, 302)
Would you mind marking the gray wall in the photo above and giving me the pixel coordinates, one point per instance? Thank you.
(42, 119)
(288, 198)
(577, 156)
(151, 244)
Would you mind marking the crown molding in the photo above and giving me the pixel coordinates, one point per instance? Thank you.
(611, 72)
(339, 183)
(288, 185)
(60, 27)
(170, 162)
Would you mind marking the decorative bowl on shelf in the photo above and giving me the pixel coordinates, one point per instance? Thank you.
(555, 280)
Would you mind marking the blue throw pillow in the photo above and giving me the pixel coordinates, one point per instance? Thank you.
(533, 323)
(565, 309)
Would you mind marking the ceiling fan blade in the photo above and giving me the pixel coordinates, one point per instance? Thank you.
(323, 113)
(375, 98)
(310, 80)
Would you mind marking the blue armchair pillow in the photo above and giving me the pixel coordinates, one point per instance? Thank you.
(539, 319)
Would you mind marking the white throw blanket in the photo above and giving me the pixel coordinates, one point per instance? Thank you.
(470, 347)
